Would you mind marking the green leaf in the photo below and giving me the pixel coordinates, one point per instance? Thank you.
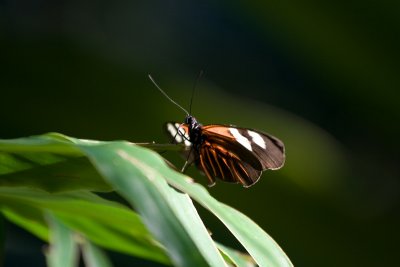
(144, 179)
(87, 214)
(168, 214)
(93, 256)
(63, 250)
(49, 163)
(188, 216)
(237, 258)
(264, 250)
(26, 216)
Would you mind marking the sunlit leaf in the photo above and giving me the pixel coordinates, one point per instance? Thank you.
(47, 163)
(143, 178)
(237, 258)
(260, 245)
(168, 214)
(63, 250)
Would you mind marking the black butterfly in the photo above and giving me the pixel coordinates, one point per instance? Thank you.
(232, 154)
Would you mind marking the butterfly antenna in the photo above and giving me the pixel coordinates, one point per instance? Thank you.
(194, 87)
(170, 99)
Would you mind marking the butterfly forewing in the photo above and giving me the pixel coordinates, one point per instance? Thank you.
(181, 137)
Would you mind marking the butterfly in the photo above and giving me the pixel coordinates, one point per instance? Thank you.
(227, 152)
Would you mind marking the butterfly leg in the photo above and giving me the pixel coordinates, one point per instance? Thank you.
(185, 166)
(187, 161)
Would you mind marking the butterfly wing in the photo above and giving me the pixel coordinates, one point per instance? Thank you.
(239, 155)
(230, 153)
(181, 137)
(249, 144)
(218, 162)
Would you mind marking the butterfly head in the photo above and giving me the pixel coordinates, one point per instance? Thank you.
(192, 122)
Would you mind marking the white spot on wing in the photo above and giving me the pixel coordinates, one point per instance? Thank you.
(182, 132)
(178, 138)
(185, 136)
(172, 130)
(257, 139)
(240, 138)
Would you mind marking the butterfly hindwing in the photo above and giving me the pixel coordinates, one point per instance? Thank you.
(215, 161)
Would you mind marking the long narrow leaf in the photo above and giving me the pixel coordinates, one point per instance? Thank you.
(93, 256)
(105, 223)
(237, 258)
(63, 250)
(264, 250)
(168, 215)
(141, 176)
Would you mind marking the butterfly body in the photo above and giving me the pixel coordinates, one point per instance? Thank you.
(194, 130)
(227, 152)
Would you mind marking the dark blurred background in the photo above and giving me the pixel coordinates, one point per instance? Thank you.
(323, 76)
